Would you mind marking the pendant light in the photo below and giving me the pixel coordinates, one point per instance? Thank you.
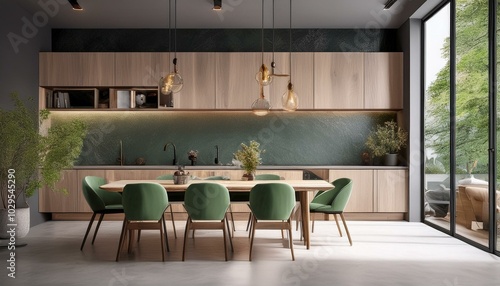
(263, 76)
(173, 82)
(273, 63)
(290, 100)
(261, 106)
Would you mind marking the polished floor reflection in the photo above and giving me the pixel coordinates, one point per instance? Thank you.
(383, 253)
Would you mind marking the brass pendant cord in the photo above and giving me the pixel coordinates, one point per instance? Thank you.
(290, 43)
(262, 33)
(169, 30)
(273, 64)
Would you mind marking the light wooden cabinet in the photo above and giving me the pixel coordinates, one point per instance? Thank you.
(383, 80)
(198, 72)
(391, 190)
(76, 69)
(236, 87)
(338, 81)
(378, 190)
(362, 189)
(57, 201)
(141, 69)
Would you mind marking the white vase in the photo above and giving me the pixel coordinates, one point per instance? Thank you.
(20, 222)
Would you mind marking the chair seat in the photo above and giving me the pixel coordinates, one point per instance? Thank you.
(118, 208)
(315, 207)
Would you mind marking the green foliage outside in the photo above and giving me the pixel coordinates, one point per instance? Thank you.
(36, 158)
(471, 93)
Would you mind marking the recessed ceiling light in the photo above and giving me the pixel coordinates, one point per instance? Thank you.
(75, 5)
(389, 4)
(217, 5)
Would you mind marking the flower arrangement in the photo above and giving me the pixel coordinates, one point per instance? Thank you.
(249, 156)
(193, 156)
(386, 139)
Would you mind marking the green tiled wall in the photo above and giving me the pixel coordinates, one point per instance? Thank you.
(299, 138)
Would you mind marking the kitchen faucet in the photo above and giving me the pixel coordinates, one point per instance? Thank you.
(217, 155)
(175, 152)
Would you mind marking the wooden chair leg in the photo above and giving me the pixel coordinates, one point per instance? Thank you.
(162, 238)
(290, 238)
(224, 233)
(252, 235)
(97, 227)
(338, 225)
(88, 230)
(312, 219)
(173, 221)
(346, 229)
(232, 218)
(122, 240)
(186, 231)
(165, 230)
(230, 238)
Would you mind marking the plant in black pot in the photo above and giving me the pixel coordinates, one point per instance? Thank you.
(33, 156)
(387, 140)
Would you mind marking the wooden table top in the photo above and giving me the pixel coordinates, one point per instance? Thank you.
(243, 186)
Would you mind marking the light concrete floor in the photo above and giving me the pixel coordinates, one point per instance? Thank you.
(383, 253)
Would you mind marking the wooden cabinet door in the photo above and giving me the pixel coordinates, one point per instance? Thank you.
(198, 72)
(236, 87)
(383, 80)
(338, 80)
(391, 191)
(77, 69)
(302, 79)
(56, 201)
(141, 69)
(362, 189)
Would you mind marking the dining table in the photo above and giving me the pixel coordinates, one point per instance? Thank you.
(302, 187)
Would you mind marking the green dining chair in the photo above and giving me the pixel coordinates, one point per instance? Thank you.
(100, 201)
(333, 202)
(206, 205)
(172, 197)
(267, 177)
(222, 178)
(144, 205)
(245, 196)
(272, 205)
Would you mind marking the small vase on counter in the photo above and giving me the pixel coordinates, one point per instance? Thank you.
(248, 177)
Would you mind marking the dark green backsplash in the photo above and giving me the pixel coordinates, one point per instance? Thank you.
(300, 138)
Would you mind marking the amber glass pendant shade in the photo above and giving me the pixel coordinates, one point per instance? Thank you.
(290, 100)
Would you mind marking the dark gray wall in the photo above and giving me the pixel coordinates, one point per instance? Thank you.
(19, 63)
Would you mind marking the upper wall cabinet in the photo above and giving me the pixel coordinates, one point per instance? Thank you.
(384, 80)
(77, 69)
(197, 71)
(141, 69)
(236, 87)
(338, 81)
(302, 78)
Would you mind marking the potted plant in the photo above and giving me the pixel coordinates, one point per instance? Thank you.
(387, 140)
(249, 156)
(30, 160)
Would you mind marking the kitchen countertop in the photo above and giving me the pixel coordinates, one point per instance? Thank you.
(227, 167)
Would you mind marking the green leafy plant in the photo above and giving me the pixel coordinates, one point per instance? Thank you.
(386, 139)
(249, 156)
(35, 157)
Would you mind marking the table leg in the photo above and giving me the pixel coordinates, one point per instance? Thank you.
(306, 216)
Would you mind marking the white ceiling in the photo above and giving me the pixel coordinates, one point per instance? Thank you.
(197, 14)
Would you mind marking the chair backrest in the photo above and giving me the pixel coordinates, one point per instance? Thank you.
(272, 201)
(336, 197)
(217, 178)
(144, 201)
(206, 201)
(96, 197)
(165, 177)
(267, 177)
